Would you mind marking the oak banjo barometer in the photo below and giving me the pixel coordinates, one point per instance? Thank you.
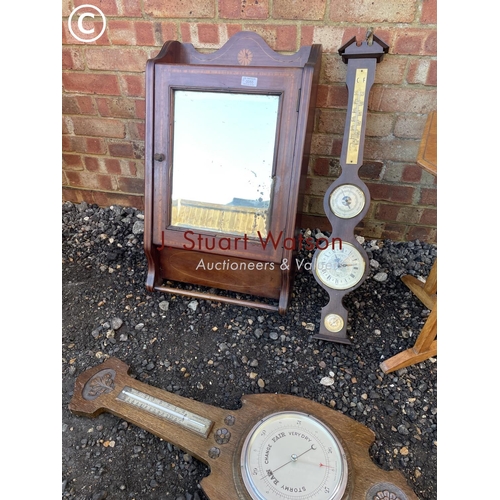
(276, 447)
(342, 266)
(227, 144)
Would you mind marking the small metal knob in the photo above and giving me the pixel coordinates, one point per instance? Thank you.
(159, 157)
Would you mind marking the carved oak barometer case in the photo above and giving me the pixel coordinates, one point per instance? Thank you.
(343, 265)
(276, 447)
(227, 144)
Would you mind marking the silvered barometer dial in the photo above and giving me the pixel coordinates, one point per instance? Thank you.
(347, 201)
(292, 455)
(340, 266)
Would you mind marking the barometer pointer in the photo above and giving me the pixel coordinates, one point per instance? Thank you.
(217, 437)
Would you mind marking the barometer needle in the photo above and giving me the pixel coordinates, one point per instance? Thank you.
(293, 459)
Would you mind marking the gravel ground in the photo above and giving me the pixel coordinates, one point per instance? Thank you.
(215, 353)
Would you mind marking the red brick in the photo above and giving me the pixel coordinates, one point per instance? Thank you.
(98, 127)
(422, 71)
(429, 217)
(371, 170)
(74, 195)
(89, 180)
(75, 105)
(116, 107)
(176, 9)
(410, 126)
(429, 12)
(391, 192)
(243, 9)
(117, 59)
(121, 32)
(106, 199)
(333, 70)
(321, 166)
(133, 85)
(90, 83)
(330, 38)
(92, 164)
(208, 33)
(186, 33)
(72, 59)
(321, 144)
(424, 234)
(121, 149)
(391, 71)
(387, 212)
(136, 130)
(404, 100)
(140, 108)
(130, 185)
(299, 9)
(67, 7)
(166, 30)
(395, 232)
(130, 8)
(282, 38)
(145, 33)
(112, 166)
(373, 12)
(72, 162)
(428, 197)
(79, 144)
(339, 96)
(415, 41)
(131, 32)
(330, 121)
(411, 173)
(391, 149)
(432, 74)
(69, 39)
(108, 7)
(430, 45)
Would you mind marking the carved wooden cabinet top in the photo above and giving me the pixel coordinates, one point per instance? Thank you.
(227, 142)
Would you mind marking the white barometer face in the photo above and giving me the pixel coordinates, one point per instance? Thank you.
(340, 268)
(293, 456)
(347, 201)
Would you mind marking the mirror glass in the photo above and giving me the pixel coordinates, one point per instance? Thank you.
(223, 155)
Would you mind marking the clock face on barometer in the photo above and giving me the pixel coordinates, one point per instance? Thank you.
(294, 456)
(340, 268)
(347, 201)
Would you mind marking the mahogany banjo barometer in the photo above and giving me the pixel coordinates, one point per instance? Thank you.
(343, 265)
(276, 447)
(227, 143)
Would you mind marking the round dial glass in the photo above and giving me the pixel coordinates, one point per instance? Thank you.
(340, 268)
(347, 201)
(293, 456)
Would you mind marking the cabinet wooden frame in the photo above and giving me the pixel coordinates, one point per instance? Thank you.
(257, 268)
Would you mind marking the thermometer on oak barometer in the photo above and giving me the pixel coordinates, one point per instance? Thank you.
(274, 447)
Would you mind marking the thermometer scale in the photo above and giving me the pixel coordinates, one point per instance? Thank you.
(275, 447)
(343, 265)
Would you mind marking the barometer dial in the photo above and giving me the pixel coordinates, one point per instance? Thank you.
(347, 201)
(294, 456)
(340, 267)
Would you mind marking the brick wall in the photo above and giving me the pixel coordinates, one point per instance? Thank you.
(103, 97)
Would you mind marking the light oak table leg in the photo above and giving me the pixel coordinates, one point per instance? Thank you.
(425, 347)
(426, 344)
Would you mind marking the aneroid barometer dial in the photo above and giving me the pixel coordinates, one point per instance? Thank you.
(292, 455)
(347, 201)
(340, 266)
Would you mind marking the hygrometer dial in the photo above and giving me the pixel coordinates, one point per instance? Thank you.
(294, 456)
(347, 201)
(340, 266)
